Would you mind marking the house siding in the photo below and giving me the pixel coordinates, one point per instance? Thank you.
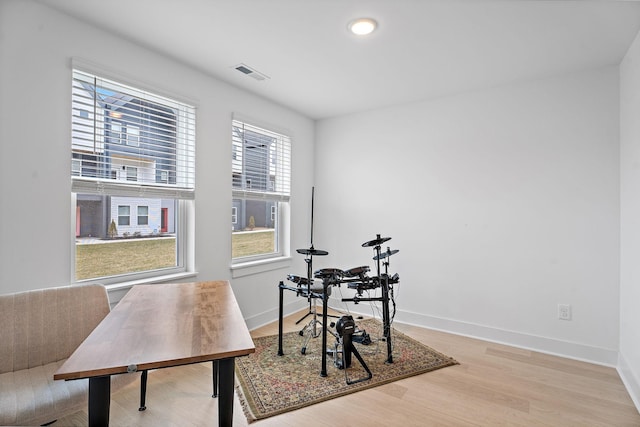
(154, 211)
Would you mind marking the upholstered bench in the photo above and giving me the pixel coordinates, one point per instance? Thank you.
(39, 330)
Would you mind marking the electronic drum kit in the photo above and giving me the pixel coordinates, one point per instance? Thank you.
(318, 286)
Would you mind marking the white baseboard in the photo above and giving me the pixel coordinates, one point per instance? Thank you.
(571, 350)
(268, 316)
(630, 381)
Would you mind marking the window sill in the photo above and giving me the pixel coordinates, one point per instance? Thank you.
(117, 291)
(148, 280)
(261, 266)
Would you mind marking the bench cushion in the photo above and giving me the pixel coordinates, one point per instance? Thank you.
(39, 330)
(43, 326)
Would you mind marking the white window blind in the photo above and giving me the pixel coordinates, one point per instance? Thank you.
(118, 129)
(261, 163)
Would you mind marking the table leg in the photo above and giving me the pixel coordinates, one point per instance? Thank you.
(143, 391)
(99, 401)
(226, 392)
(215, 374)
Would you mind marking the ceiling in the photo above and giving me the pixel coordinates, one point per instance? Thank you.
(421, 49)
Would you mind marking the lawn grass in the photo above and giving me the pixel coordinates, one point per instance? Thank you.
(126, 256)
(135, 255)
(256, 243)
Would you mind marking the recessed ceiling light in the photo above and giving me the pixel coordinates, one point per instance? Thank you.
(362, 26)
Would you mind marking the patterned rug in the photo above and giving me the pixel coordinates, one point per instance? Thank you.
(269, 384)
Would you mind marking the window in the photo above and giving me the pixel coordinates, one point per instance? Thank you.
(123, 215)
(76, 167)
(133, 181)
(133, 135)
(132, 173)
(116, 133)
(143, 215)
(261, 167)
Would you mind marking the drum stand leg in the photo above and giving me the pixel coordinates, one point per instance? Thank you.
(280, 313)
(305, 316)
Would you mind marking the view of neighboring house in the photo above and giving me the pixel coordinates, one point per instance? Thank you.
(254, 171)
(135, 143)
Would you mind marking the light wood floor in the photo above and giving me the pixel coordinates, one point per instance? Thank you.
(494, 385)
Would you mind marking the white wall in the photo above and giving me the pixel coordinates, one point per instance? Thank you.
(503, 204)
(629, 364)
(37, 45)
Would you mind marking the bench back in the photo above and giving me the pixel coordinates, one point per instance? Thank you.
(44, 326)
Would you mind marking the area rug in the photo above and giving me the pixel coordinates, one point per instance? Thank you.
(268, 384)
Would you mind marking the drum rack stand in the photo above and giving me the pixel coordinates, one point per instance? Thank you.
(384, 284)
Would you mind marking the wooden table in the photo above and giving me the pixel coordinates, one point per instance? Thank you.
(159, 326)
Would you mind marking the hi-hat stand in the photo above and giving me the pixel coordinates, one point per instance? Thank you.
(312, 326)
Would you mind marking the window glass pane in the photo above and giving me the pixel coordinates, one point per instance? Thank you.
(143, 215)
(76, 167)
(133, 135)
(132, 173)
(255, 230)
(110, 242)
(115, 133)
(123, 215)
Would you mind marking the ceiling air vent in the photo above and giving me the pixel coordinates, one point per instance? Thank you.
(245, 69)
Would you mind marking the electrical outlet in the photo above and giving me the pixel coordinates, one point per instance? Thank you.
(564, 311)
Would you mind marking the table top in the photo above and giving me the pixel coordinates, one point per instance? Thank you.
(161, 325)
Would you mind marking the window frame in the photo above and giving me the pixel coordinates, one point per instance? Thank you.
(184, 206)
